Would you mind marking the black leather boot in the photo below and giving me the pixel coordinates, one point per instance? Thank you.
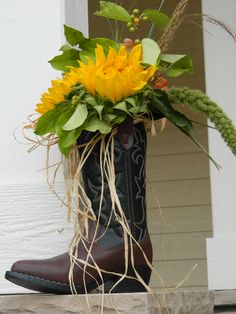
(52, 275)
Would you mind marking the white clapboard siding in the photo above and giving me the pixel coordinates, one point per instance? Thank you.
(33, 225)
(31, 217)
(221, 248)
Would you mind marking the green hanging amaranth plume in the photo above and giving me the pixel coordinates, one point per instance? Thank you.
(197, 101)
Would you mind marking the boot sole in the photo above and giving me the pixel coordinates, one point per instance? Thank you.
(42, 285)
(110, 284)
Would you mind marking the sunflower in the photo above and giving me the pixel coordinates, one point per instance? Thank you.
(56, 94)
(115, 77)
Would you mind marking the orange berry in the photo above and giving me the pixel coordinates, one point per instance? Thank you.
(129, 43)
(160, 83)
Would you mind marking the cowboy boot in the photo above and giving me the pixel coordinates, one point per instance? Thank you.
(108, 251)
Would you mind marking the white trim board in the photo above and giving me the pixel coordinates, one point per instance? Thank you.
(221, 260)
(220, 51)
(76, 14)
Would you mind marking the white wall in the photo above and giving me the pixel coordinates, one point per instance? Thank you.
(31, 32)
(220, 69)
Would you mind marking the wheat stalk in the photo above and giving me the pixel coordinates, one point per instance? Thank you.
(175, 22)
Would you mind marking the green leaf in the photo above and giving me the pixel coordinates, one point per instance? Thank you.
(131, 101)
(95, 124)
(151, 51)
(69, 138)
(62, 120)
(160, 19)
(113, 11)
(106, 43)
(93, 102)
(89, 47)
(68, 58)
(143, 109)
(65, 47)
(139, 109)
(109, 117)
(77, 119)
(176, 64)
(64, 150)
(121, 106)
(88, 51)
(99, 109)
(120, 119)
(74, 36)
(46, 123)
(162, 104)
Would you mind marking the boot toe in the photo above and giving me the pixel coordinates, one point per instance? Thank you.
(21, 266)
(41, 275)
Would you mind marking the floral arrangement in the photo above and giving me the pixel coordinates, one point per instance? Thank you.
(104, 81)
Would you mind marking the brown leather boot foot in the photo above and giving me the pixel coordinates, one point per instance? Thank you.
(52, 275)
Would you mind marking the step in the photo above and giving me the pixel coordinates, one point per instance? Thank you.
(176, 302)
(225, 301)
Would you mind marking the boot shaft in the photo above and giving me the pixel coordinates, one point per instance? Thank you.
(130, 178)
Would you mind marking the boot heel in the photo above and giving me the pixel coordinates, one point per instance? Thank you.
(129, 285)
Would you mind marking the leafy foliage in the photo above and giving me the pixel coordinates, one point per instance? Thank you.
(74, 37)
(113, 11)
(160, 102)
(160, 19)
(69, 57)
(78, 48)
(176, 65)
(85, 112)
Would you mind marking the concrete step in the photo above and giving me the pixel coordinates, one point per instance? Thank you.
(178, 302)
